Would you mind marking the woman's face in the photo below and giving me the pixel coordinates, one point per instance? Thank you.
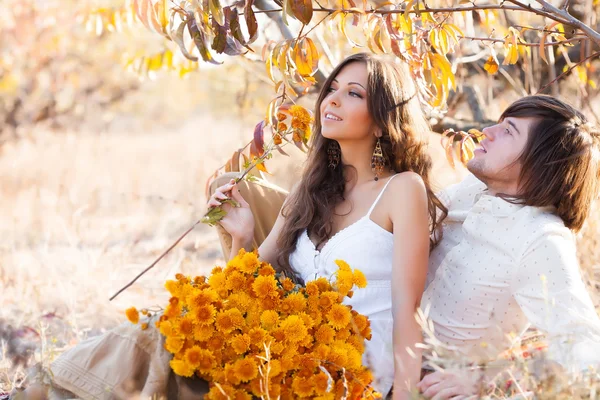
(344, 111)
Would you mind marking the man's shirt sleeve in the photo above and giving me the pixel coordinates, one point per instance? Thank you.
(548, 287)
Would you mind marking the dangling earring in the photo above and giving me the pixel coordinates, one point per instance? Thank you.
(377, 160)
(333, 153)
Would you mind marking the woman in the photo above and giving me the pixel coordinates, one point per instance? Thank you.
(364, 197)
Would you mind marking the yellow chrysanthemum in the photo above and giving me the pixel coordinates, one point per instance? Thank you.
(265, 286)
(325, 334)
(288, 284)
(205, 359)
(312, 289)
(339, 316)
(217, 281)
(245, 369)
(144, 326)
(192, 356)
(328, 299)
(293, 328)
(174, 287)
(359, 279)
(323, 284)
(322, 383)
(229, 320)
(269, 303)
(250, 262)
(235, 281)
(182, 368)
(308, 321)
(166, 328)
(186, 326)
(296, 301)
(266, 270)
(132, 315)
(343, 265)
(198, 298)
(215, 343)
(173, 311)
(301, 114)
(337, 355)
(253, 317)
(240, 300)
(302, 387)
(257, 336)
(203, 332)
(269, 319)
(344, 281)
(343, 334)
(357, 342)
(173, 344)
(240, 343)
(321, 351)
(205, 315)
(277, 348)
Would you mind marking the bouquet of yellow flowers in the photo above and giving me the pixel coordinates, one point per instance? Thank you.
(251, 332)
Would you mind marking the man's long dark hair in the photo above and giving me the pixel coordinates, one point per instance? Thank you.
(560, 164)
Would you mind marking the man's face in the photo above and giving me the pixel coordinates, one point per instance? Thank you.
(496, 160)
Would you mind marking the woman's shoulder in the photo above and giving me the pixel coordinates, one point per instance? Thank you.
(407, 184)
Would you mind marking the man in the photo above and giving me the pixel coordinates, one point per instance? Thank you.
(508, 259)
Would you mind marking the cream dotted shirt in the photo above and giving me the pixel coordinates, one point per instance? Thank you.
(501, 267)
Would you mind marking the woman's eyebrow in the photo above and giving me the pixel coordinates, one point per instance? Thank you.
(513, 125)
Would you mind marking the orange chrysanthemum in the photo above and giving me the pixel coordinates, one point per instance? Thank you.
(217, 281)
(235, 281)
(302, 387)
(266, 270)
(296, 302)
(186, 326)
(215, 343)
(132, 315)
(173, 311)
(203, 332)
(205, 315)
(250, 262)
(180, 367)
(321, 383)
(229, 320)
(312, 289)
(293, 329)
(339, 316)
(359, 279)
(198, 298)
(265, 286)
(269, 319)
(245, 369)
(240, 343)
(325, 334)
(173, 344)
(344, 281)
(323, 284)
(287, 284)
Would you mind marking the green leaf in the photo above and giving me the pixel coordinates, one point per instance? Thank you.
(215, 214)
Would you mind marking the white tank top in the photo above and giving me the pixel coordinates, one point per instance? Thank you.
(366, 246)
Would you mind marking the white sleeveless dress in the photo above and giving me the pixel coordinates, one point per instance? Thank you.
(366, 246)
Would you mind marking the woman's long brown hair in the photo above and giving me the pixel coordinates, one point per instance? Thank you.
(394, 106)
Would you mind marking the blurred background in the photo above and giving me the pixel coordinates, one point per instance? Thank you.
(107, 139)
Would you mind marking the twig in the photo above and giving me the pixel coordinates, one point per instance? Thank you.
(596, 54)
(155, 261)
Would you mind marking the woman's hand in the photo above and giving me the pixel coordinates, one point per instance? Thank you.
(239, 221)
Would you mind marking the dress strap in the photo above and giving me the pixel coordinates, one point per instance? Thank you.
(380, 194)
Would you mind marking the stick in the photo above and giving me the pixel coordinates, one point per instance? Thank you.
(155, 261)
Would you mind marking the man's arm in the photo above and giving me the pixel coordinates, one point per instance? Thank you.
(548, 287)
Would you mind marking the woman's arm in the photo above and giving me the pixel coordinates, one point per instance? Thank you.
(239, 223)
(410, 219)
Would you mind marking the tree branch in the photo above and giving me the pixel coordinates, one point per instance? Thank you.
(571, 20)
(596, 54)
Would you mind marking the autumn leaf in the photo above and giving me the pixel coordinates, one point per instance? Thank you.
(491, 65)
(302, 10)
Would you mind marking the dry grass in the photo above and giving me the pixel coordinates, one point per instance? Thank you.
(82, 214)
